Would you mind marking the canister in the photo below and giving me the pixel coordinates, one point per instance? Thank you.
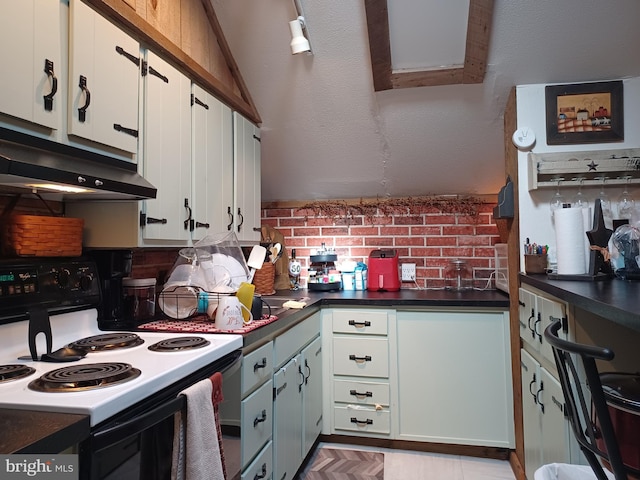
(139, 295)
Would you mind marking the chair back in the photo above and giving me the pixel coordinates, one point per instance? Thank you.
(589, 417)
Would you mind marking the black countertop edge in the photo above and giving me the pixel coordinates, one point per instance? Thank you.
(613, 299)
(36, 432)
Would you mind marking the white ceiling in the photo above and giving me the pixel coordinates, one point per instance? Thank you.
(326, 134)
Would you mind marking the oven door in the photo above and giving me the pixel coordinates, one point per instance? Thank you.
(138, 442)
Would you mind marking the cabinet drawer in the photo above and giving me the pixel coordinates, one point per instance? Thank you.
(368, 357)
(262, 466)
(257, 421)
(292, 341)
(366, 322)
(362, 393)
(257, 367)
(361, 419)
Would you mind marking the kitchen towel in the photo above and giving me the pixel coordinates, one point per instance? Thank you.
(570, 244)
(196, 450)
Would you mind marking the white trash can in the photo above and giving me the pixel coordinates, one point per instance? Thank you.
(565, 471)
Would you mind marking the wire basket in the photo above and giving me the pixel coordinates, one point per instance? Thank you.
(181, 302)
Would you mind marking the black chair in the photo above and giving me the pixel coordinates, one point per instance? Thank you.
(588, 424)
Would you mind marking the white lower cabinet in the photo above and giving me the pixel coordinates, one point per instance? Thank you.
(454, 377)
(262, 466)
(257, 422)
(297, 390)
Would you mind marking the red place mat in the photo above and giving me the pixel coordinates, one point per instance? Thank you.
(201, 324)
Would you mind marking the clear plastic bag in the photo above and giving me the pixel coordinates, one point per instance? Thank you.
(626, 239)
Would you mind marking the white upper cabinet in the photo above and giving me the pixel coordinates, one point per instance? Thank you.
(247, 220)
(166, 150)
(212, 164)
(31, 59)
(103, 80)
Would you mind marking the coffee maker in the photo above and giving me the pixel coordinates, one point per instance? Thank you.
(113, 266)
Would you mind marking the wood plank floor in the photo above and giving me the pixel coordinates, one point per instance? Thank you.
(411, 465)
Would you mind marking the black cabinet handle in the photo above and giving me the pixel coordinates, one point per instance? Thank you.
(538, 401)
(241, 219)
(129, 131)
(200, 225)
(535, 328)
(155, 73)
(150, 220)
(230, 218)
(48, 99)
(302, 375)
(366, 323)
(82, 111)
(258, 476)
(260, 419)
(279, 389)
(366, 358)
(368, 421)
(306, 365)
(196, 101)
(133, 58)
(360, 395)
(531, 384)
(188, 221)
(263, 364)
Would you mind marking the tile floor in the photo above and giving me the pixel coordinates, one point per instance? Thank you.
(411, 465)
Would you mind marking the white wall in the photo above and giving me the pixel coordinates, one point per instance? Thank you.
(535, 215)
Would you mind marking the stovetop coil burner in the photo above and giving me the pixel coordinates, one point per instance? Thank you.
(179, 343)
(108, 341)
(14, 372)
(84, 377)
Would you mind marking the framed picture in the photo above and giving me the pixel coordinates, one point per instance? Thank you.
(584, 113)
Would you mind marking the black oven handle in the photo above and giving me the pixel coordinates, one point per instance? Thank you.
(104, 438)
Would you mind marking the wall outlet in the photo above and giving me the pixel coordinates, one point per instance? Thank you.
(408, 271)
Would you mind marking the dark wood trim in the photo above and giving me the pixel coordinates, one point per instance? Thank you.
(126, 18)
(379, 44)
(513, 248)
(476, 52)
(444, 448)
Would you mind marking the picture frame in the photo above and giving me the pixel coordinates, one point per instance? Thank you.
(584, 113)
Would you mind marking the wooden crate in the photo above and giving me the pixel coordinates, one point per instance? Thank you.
(41, 236)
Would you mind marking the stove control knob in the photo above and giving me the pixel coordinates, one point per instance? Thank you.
(63, 277)
(86, 281)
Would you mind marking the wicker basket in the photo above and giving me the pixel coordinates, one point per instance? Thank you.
(264, 279)
(41, 236)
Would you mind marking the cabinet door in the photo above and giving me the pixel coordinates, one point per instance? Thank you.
(550, 310)
(103, 80)
(287, 431)
(247, 179)
(212, 164)
(531, 419)
(527, 317)
(312, 403)
(30, 34)
(167, 150)
(454, 378)
(555, 427)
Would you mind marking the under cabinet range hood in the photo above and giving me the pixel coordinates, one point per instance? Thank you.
(39, 165)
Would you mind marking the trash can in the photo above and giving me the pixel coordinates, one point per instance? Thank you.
(565, 471)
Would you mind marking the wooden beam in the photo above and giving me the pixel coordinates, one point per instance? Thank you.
(379, 43)
(427, 78)
(477, 47)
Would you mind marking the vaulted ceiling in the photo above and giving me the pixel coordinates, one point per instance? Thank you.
(336, 125)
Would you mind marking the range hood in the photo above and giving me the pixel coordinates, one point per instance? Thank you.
(37, 164)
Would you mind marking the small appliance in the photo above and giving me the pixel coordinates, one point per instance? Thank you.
(383, 271)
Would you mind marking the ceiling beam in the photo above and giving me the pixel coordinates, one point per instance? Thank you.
(476, 50)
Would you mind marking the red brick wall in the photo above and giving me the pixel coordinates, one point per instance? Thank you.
(430, 240)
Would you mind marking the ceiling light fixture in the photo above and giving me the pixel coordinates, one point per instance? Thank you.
(299, 41)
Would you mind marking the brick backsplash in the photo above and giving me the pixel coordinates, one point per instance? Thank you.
(430, 240)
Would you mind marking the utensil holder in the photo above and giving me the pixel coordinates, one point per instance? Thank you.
(264, 279)
(535, 263)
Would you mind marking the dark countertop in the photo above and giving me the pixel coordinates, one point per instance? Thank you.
(45, 432)
(405, 298)
(613, 299)
(27, 431)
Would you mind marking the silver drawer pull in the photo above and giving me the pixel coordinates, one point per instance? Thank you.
(368, 421)
(366, 358)
(366, 323)
(361, 395)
